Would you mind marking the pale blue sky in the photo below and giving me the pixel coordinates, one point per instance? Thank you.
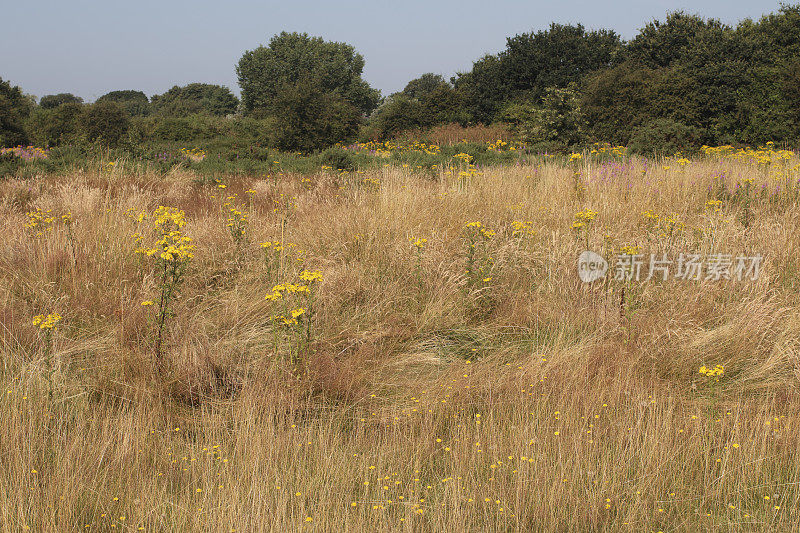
(90, 47)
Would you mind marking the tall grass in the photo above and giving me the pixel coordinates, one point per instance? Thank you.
(527, 402)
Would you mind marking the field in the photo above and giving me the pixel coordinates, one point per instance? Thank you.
(400, 349)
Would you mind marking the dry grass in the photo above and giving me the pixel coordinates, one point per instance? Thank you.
(447, 134)
(533, 405)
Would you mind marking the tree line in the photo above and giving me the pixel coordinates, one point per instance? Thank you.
(680, 82)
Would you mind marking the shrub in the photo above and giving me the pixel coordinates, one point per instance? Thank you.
(664, 137)
(53, 126)
(104, 122)
(399, 113)
(338, 159)
(558, 119)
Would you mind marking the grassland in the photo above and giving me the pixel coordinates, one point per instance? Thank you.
(434, 392)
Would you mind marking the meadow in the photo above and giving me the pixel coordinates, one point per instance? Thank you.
(403, 347)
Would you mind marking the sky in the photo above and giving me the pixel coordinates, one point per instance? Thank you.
(91, 47)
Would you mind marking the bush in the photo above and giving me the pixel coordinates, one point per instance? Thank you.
(399, 113)
(183, 129)
(338, 159)
(665, 137)
(53, 126)
(558, 119)
(104, 122)
(9, 163)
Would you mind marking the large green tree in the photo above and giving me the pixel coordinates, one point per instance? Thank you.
(334, 68)
(533, 62)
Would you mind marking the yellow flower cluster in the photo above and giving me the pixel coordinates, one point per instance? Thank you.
(311, 276)
(714, 205)
(173, 246)
(763, 155)
(479, 229)
(521, 228)
(497, 146)
(466, 158)
(278, 291)
(237, 219)
(418, 243)
(294, 318)
(195, 154)
(717, 372)
(371, 184)
(40, 221)
(385, 149)
(27, 153)
(583, 219)
(608, 148)
(47, 322)
(166, 216)
(665, 225)
(630, 250)
(282, 291)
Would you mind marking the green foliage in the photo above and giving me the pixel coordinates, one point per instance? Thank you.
(338, 159)
(556, 120)
(399, 113)
(532, 62)
(14, 109)
(135, 103)
(304, 118)
(196, 98)
(664, 137)
(618, 99)
(292, 58)
(681, 38)
(52, 101)
(56, 125)
(104, 122)
(426, 101)
(423, 86)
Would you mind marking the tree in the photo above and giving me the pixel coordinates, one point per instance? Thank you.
(105, 122)
(305, 118)
(399, 113)
(421, 87)
(15, 107)
(533, 62)
(51, 101)
(196, 98)
(681, 38)
(335, 69)
(617, 99)
(51, 127)
(134, 103)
